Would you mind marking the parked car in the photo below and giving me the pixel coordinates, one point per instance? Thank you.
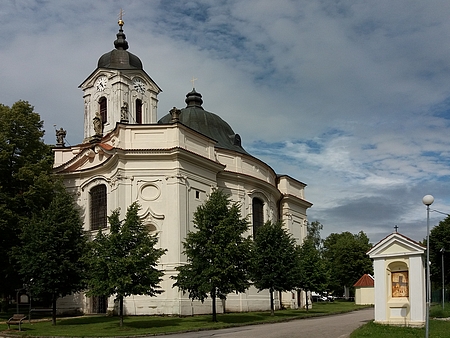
(317, 297)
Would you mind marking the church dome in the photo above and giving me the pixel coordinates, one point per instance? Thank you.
(120, 58)
(206, 123)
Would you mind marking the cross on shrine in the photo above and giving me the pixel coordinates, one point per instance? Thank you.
(396, 228)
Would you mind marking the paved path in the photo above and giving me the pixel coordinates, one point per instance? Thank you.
(337, 326)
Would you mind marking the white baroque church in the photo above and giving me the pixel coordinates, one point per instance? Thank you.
(169, 166)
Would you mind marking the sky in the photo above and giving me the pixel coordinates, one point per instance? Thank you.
(351, 98)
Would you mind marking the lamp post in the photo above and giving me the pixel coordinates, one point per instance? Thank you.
(443, 278)
(428, 200)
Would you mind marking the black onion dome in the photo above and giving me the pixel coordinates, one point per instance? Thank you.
(119, 58)
(206, 123)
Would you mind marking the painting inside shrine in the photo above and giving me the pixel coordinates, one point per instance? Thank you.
(400, 284)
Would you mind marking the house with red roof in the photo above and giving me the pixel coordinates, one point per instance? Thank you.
(364, 290)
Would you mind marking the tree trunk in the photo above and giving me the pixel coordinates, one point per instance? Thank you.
(224, 303)
(4, 305)
(121, 310)
(272, 312)
(346, 292)
(213, 297)
(54, 297)
(307, 304)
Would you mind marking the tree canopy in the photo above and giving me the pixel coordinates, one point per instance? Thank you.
(51, 250)
(440, 239)
(313, 233)
(124, 261)
(218, 254)
(274, 260)
(26, 186)
(312, 274)
(346, 258)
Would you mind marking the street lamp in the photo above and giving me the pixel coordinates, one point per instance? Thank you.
(428, 200)
(443, 278)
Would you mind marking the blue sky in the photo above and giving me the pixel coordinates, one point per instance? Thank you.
(351, 99)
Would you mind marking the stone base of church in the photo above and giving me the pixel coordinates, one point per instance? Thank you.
(173, 302)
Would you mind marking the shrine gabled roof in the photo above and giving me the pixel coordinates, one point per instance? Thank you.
(396, 244)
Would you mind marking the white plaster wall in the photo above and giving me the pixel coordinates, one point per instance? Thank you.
(364, 295)
(170, 185)
(417, 290)
(380, 287)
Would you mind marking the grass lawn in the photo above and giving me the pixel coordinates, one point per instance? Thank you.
(102, 326)
(437, 328)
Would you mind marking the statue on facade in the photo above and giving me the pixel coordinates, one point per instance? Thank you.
(124, 113)
(175, 113)
(98, 125)
(60, 135)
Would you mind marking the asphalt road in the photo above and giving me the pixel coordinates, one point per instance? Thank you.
(337, 326)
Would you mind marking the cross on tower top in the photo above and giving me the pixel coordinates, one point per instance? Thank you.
(121, 13)
(193, 81)
(396, 228)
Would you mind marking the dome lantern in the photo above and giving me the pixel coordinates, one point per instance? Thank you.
(194, 99)
(120, 58)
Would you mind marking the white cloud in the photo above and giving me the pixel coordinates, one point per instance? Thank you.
(353, 96)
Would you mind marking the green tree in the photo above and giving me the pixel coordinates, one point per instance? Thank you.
(311, 273)
(123, 262)
(26, 186)
(313, 233)
(52, 246)
(218, 255)
(274, 260)
(440, 239)
(346, 259)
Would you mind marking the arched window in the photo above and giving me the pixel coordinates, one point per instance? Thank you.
(103, 109)
(138, 111)
(258, 215)
(98, 207)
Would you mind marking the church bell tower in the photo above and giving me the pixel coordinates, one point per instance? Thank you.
(118, 91)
